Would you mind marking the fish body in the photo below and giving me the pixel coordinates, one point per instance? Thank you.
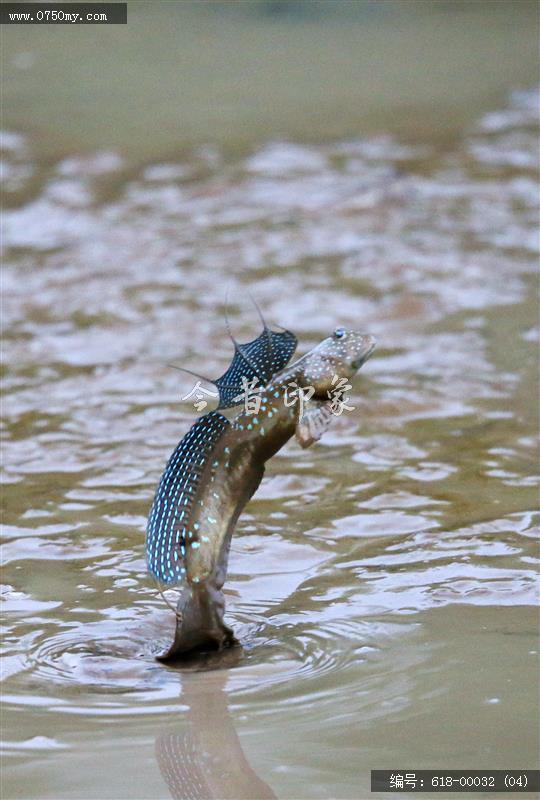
(218, 466)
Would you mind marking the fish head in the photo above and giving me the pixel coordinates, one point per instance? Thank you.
(339, 356)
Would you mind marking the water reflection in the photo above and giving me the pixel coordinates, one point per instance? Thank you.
(207, 761)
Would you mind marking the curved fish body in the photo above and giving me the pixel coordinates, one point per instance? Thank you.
(215, 470)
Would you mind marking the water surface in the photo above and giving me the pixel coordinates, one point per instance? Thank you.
(383, 582)
(187, 73)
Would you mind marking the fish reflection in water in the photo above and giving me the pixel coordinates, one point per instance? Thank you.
(207, 761)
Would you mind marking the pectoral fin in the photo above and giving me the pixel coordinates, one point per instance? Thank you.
(314, 422)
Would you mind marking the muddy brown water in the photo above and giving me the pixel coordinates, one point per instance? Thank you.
(382, 583)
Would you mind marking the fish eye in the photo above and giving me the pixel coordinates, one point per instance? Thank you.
(339, 333)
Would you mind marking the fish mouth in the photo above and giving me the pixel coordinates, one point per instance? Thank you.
(369, 347)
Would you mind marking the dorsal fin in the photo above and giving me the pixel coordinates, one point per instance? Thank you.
(266, 329)
(165, 545)
(260, 359)
(240, 353)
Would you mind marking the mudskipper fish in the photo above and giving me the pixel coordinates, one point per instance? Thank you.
(219, 464)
